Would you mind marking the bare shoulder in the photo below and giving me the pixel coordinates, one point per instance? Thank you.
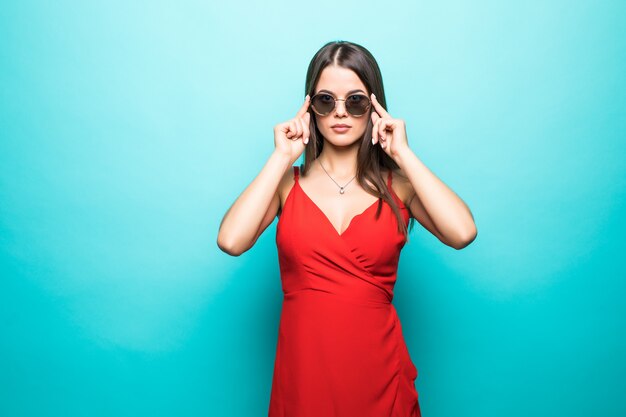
(285, 185)
(401, 185)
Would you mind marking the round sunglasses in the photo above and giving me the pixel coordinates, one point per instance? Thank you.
(356, 104)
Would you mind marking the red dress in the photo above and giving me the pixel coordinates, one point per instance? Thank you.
(340, 350)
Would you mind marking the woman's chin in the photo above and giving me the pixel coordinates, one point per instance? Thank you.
(342, 141)
(346, 144)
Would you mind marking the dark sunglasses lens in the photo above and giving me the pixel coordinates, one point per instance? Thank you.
(357, 105)
(323, 103)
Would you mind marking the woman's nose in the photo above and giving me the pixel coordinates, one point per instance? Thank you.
(340, 107)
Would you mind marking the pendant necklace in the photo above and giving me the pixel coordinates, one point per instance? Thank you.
(341, 188)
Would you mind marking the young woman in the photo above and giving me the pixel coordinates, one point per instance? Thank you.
(343, 218)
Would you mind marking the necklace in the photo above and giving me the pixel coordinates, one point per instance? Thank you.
(341, 188)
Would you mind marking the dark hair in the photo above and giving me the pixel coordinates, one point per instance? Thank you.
(370, 158)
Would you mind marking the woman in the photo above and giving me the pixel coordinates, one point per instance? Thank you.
(342, 222)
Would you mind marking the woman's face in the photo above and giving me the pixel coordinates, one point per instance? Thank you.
(341, 83)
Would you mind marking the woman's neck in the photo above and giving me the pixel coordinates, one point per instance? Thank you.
(340, 162)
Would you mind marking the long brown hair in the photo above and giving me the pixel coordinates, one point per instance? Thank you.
(370, 158)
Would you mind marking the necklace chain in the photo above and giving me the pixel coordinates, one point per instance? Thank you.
(341, 188)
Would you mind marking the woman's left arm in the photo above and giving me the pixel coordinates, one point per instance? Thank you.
(450, 216)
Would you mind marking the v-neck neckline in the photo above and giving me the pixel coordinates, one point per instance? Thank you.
(350, 223)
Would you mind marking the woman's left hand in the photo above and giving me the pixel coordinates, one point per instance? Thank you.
(389, 132)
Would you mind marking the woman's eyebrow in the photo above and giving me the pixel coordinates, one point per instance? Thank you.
(349, 92)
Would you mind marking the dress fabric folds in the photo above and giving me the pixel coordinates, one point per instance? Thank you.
(340, 351)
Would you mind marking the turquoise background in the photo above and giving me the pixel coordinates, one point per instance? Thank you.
(128, 129)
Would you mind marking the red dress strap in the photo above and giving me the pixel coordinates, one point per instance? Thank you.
(393, 193)
(296, 173)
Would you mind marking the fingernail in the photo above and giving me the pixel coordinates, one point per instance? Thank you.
(372, 141)
(374, 95)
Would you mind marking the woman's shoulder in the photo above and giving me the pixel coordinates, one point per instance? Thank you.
(286, 183)
(400, 184)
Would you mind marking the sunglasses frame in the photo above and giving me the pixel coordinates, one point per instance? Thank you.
(369, 104)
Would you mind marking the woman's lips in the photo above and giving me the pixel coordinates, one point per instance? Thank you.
(341, 129)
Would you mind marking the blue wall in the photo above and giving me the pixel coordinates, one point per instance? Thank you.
(127, 130)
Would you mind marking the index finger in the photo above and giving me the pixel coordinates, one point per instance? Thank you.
(304, 107)
(379, 109)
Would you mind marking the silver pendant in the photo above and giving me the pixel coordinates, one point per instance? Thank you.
(341, 190)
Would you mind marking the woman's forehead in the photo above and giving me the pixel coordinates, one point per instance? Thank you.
(339, 80)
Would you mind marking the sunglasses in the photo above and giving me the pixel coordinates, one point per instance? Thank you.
(357, 104)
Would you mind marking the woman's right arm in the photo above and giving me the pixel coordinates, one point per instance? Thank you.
(257, 206)
(242, 223)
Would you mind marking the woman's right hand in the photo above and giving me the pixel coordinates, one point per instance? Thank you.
(290, 137)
